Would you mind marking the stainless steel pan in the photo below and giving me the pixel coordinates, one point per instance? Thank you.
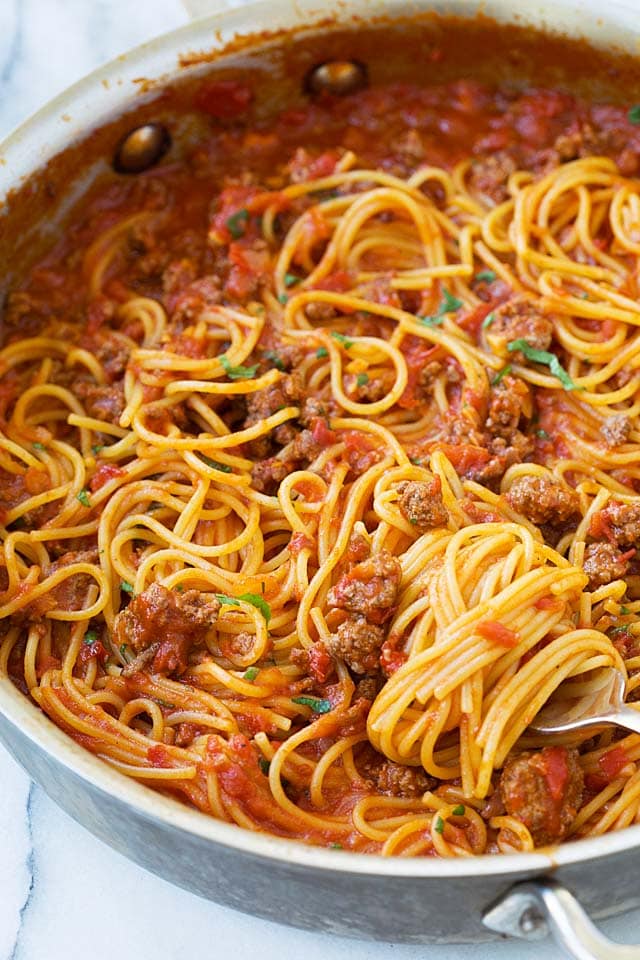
(412, 901)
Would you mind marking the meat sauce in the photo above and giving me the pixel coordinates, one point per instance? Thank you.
(200, 244)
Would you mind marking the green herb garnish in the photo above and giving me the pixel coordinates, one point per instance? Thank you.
(317, 705)
(548, 359)
(38, 446)
(283, 298)
(459, 810)
(488, 276)
(97, 448)
(542, 434)
(83, 497)
(123, 651)
(500, 374)
(126, 586)
(625, 611)
(250, 674)
(237, 223)
(340, 337)
(290, 279)
(488, 320)
(336, 846)
(634, 114)
(321, 353)
(362, 379)
(449, 305)
(439, 824)
(275, 359)
(264, 765)
(179, 588)
(215, 464)
(236, 373)
(90, 637)
(259, 602)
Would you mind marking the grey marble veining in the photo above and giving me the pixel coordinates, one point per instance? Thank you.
(63, 894)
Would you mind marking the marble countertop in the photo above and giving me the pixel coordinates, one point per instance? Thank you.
(63, 894)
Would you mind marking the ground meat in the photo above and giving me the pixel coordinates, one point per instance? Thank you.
(622, 523)
(503, 455)
(369, 589)
(267, 475)
(286, 392)
(186, 303)
(603, 563)
(394, 779)
(373, 389)
(506, 407)
(113, 352)
(542, 499)
(489, 175)
(303, 447)
(165, 625)
(616, 430)
(421, 504)
(318, 311)
(544, 791)
(518, 319)
(282, 356)
(102, 402)
(358, 643)
(367, 688)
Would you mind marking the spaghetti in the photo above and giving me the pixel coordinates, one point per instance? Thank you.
(310, 503)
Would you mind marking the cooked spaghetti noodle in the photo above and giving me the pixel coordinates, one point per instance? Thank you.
(313, 498)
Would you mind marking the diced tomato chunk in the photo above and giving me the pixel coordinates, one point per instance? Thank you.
(105, 473)
(498, 633)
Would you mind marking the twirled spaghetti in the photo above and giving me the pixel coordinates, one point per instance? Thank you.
(313, 498)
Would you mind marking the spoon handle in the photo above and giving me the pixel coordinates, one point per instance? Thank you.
(628, 718)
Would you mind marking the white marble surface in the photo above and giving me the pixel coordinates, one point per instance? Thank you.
(64, 894)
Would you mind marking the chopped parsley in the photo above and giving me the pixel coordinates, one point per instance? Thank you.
(179, 588)
(283, 298)
(275, 359)
(459, 810)
(542, 434)
(548, 359)
(340, 337)
(236, 373)
(436, 321)
(449, 305)
(336, 846)
(123, 651)
(362, 379)
(322, 352)
(83, 497)
(290, 279)
(439, 824)
(485, 276)
(126, 586)
(625, 611)
(237, 223)
(215, 464)
(258, 602)
(413, 520)
(500, 374)
(90, 637)
(488, 320)
(264, 765)
(317, 705)
(97, 448)
(38, 446)
(634, 114)
(250, 674)
(416, 460)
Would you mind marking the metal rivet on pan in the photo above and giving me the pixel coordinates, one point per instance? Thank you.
(338, 77)
(141, 148)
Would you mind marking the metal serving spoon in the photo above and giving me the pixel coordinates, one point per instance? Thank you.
(607, 709)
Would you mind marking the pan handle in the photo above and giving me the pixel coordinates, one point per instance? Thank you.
(535, 908)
